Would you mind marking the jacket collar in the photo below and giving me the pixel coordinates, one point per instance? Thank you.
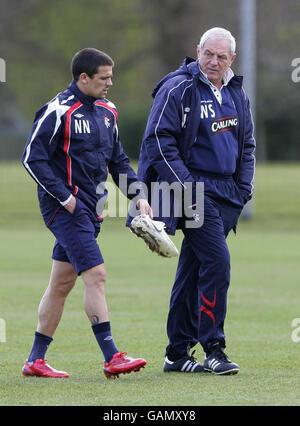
(229, 76)
(85, 99)
(190, 67)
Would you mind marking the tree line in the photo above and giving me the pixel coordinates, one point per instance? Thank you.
(146, 39)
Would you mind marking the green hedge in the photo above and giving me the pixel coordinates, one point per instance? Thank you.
(132, 125)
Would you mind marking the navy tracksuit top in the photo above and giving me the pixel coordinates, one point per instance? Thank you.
(73, 145)
(216, 147)
(188, 132)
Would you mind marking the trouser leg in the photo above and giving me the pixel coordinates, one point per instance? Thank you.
(199, 295)
(182, 323)
(210, 248)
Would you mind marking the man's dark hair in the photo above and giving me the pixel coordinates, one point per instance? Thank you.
(88, 60)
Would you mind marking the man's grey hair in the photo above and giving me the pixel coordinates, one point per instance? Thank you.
(220, 33)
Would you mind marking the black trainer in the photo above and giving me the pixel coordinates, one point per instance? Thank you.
(217, 361)
(186, 364)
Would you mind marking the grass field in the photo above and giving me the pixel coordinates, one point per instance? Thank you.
(263, 300)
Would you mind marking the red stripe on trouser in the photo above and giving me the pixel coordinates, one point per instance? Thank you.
(53, 217)
(206, 310)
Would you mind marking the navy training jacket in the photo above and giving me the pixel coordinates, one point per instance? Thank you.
(73, 145)
(172, 129)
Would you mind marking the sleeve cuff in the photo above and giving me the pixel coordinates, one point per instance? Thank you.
(63, 203)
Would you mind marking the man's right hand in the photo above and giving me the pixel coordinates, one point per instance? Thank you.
(71, 205)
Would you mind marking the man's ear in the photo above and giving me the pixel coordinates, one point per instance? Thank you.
(233, 58)
(83, 78)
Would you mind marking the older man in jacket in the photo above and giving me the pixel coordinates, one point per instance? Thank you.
(200, 130)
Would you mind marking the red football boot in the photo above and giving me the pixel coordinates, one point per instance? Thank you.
(120, 363)
(41, 369)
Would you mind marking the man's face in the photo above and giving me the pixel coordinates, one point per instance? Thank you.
(215, 58)
(97, 86)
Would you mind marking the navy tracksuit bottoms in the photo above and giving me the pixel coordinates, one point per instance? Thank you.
(199, 295)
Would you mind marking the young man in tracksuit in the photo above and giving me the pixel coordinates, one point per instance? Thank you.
(200, 130)
(73, 145)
